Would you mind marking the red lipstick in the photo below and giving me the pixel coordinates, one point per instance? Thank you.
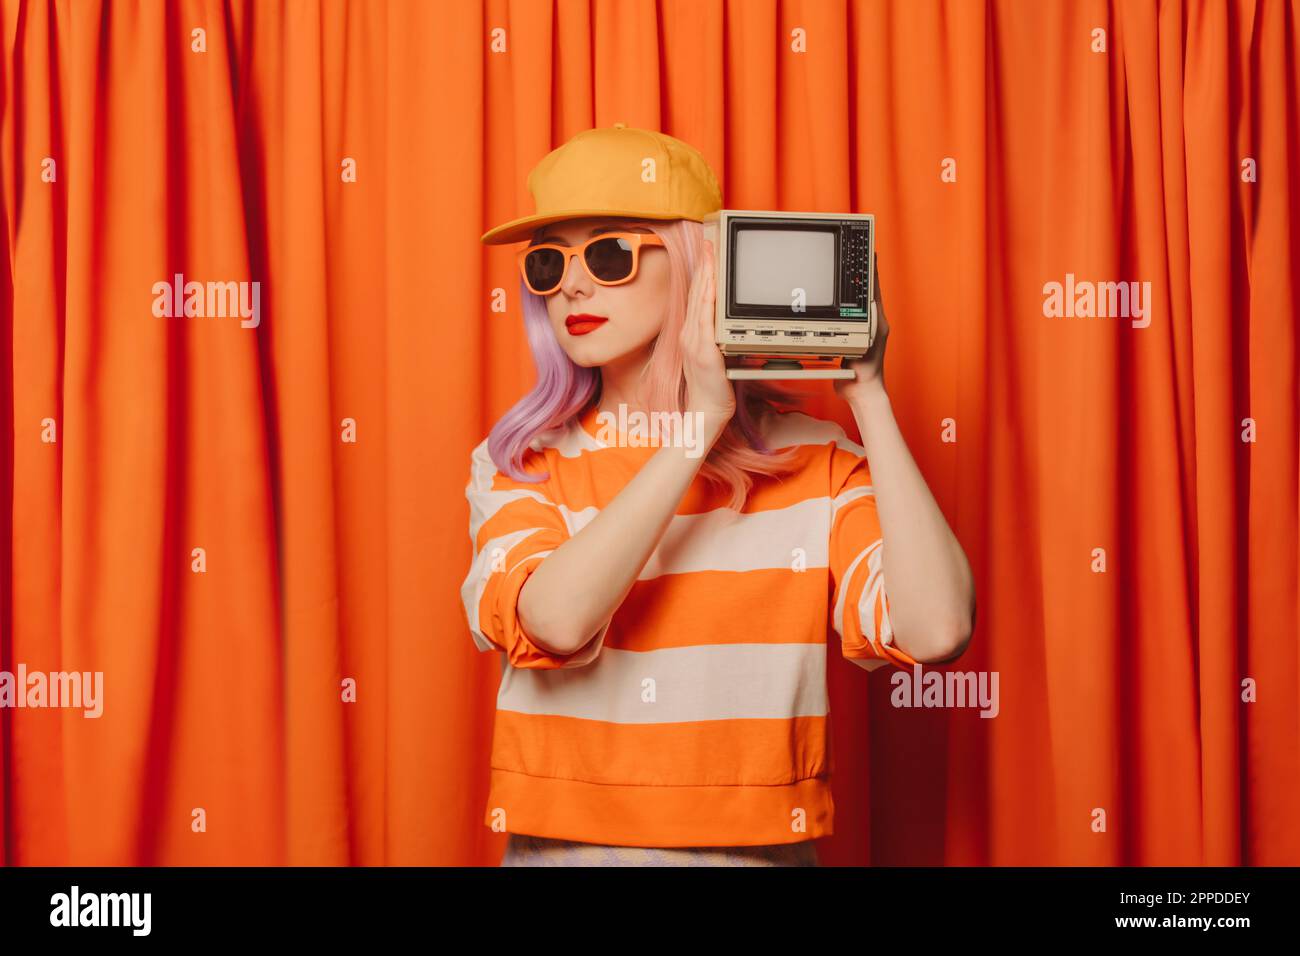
(580, 323)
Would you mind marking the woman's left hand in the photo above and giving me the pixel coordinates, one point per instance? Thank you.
(870, 368)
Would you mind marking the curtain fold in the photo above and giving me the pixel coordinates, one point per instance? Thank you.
(255, 525)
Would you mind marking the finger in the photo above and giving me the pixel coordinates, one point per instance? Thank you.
(693, 293)
(706, 306)
(696, 329)
(698, 287)
(710, 281)
(695, 300)
(689, 329)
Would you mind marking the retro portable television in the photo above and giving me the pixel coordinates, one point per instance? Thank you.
(794, 291)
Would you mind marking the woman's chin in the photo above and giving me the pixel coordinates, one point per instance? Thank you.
(602, 347)
(589, 356)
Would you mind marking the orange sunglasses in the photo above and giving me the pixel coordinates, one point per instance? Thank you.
(611, 258)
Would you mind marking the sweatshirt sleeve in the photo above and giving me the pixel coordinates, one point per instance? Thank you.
(513, 527)
(860, 612)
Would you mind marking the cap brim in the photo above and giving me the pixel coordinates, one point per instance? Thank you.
(519, 229)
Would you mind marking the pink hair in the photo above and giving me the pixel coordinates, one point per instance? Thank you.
(564, 389)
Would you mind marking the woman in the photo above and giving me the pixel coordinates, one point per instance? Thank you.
(663, 608)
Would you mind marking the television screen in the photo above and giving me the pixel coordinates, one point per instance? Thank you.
(771, 263)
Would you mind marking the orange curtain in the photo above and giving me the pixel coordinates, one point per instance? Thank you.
(1000, 149)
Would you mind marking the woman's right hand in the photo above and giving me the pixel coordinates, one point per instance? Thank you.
(709, 391)
(570, 596)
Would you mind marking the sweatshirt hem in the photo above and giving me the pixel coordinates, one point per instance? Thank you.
(661, 816)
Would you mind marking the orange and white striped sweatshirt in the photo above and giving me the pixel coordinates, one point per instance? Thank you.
(698, 715)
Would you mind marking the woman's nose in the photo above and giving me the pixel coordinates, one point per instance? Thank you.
(575, 279)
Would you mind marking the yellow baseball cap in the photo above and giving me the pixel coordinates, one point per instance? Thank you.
(603, 172)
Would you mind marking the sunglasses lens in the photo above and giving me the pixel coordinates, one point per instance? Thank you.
(544, 268)
(610, 259)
